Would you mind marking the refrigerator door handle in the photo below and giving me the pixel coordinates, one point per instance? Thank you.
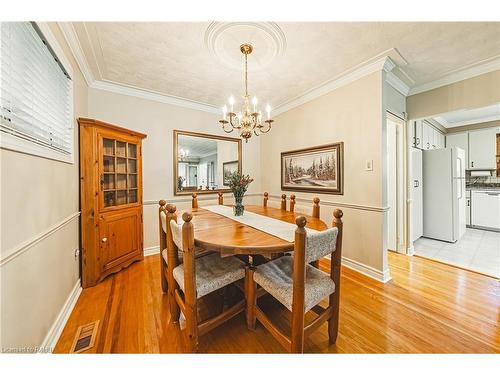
(460, 179)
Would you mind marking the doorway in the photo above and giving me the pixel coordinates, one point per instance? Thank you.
(396, 197)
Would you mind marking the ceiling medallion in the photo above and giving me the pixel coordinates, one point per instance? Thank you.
(221, 40)
(248, 121)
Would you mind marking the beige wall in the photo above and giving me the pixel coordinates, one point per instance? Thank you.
(476, 92)
(353, 114)
(37, 195)
(158, 120)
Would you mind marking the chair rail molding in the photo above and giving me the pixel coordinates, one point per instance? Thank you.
(326, 202)
(187, 199)
(23, 247)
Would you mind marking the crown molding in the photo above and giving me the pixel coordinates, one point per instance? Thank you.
(397, 83)
(376, 64)
(137, 92)
(473, 70)
(71, 37)
(69, 34)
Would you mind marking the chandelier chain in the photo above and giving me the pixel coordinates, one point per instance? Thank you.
(246, 74)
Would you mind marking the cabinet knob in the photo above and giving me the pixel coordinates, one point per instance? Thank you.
(104, 239)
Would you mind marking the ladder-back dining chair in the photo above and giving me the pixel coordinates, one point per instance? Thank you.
(197, 277)
(299, 286)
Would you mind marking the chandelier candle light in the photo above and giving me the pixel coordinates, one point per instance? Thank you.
(249, 120)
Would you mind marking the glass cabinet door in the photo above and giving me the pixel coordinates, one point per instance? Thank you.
(119, 180)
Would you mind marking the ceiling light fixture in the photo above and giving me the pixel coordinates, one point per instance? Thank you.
(249, 120)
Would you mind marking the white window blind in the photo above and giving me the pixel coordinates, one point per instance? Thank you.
(36, 91)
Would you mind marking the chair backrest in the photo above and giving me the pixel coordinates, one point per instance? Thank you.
(310, 247)
(320, 244)
(162, 221)
(176, 230)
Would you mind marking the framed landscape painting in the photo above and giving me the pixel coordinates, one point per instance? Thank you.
(316, 169)
(227, 169)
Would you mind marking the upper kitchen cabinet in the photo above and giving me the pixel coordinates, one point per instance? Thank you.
(459, 140)
(426, 137)
(482, 148)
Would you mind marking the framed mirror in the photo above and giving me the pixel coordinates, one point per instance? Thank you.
(202, 162)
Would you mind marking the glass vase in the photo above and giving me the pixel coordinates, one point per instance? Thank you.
(238, 208)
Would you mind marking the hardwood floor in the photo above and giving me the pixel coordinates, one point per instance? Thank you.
(427, 307)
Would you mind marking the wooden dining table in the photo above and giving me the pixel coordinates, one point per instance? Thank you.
(219, 233)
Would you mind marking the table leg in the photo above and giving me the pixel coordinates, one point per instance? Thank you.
(250, 296)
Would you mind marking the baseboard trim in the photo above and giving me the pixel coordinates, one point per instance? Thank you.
(371, 272)
(151, 250)
(50, 340)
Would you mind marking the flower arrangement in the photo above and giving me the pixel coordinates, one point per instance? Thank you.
(238, 183)
(180, 182)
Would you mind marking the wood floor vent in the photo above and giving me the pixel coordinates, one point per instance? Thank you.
(85, 337)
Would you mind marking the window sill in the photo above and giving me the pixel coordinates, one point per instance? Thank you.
(13, 143)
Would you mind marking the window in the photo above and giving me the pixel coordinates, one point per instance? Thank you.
(36, 95)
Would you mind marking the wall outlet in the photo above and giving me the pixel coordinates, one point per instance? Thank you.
(369, 165)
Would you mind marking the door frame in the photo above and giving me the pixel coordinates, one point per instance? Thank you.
(402, 182)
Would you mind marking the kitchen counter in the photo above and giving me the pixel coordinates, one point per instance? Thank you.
(482, 188)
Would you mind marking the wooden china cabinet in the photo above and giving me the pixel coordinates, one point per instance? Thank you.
(110, 199)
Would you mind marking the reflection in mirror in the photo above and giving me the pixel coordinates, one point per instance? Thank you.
(202, 161)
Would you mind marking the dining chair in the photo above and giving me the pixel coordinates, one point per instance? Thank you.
(283, 202)
(163, 245)
(292, 202)
(197, 277)
(221, 198)
(194, 201)
(299, 286)
(266, 197)
(166, 214)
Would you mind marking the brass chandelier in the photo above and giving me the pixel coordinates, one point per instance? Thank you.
(249, 120)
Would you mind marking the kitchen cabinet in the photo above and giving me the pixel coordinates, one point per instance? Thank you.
(482, 149)
(427, 137)
(417, 133)
(459, 140)
(467, 208)
(486, 209)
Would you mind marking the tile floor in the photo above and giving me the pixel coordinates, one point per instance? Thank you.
(478, 250)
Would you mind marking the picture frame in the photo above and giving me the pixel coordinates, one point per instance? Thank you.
(228, 168)
(318, 169)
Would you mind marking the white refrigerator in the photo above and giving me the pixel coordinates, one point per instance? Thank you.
(444, 207)
(417, 219)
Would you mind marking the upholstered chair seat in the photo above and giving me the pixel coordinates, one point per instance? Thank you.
(276, 277)
(212, 273)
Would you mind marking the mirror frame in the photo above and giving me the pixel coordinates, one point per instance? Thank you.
(202, 135)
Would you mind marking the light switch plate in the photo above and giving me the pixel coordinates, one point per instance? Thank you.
(369, 165)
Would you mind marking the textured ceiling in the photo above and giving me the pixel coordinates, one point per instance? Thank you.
(202, 61)
(469, 116)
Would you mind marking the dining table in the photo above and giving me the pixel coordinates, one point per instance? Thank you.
(228, 236)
